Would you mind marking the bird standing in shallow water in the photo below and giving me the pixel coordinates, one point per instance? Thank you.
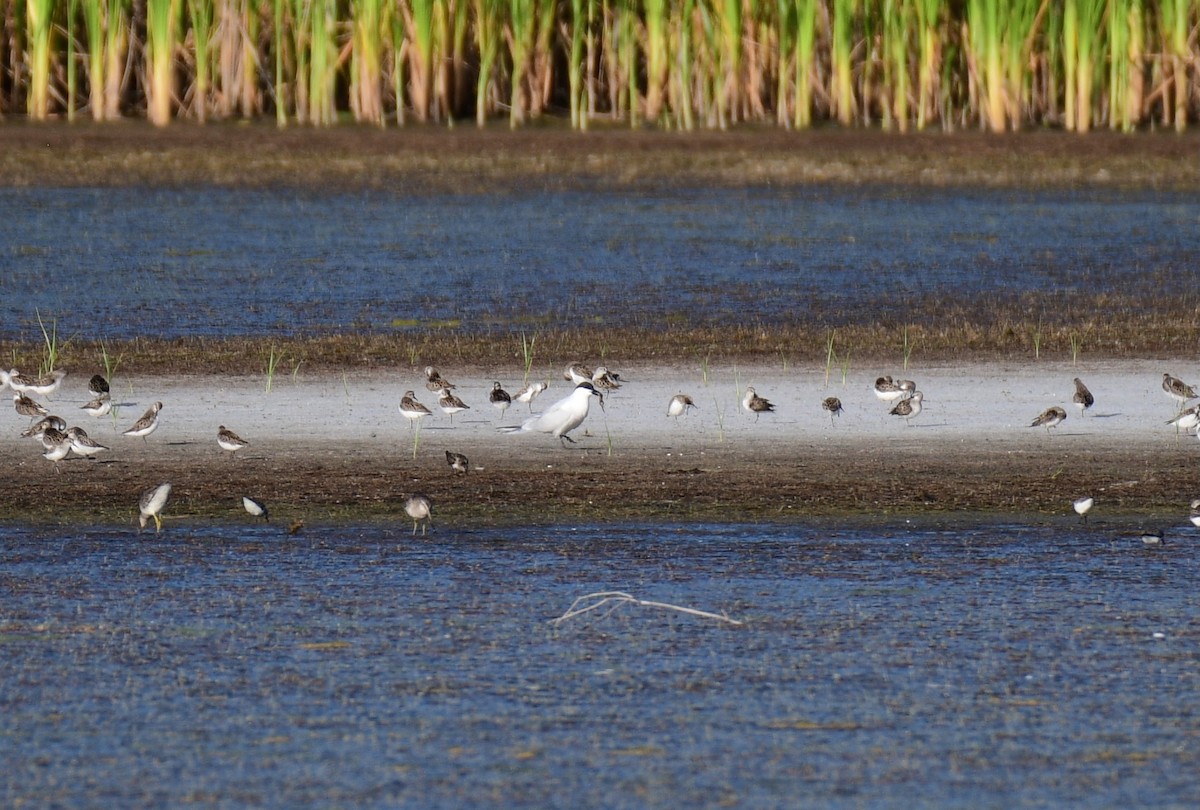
(419, 509)
(755, 404)
(1082, 505)
(255, 507)
(563, 416)
(151, 504)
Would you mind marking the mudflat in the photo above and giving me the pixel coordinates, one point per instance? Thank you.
(330, 447)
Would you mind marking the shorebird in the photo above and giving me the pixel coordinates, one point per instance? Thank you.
(755, 404)
(577, 373)
(1082, 505)
(151, 504)
(457, 461)
(255, 507)
(499, 398)
(434, 381)
(606, 380)
(46, 384)
(1083, 398)
(1195, 513)
(98, 386)
(147, 424)
(83, 444)
(1049, 418)
(834, 406)
(563, 416)
(1152, 537)
(679, 405)
(412, 410)
(56, 445)
(890, 390)
(529, 393)
(228, 440)
(27, 407)
(451, 404)
(39, 427)
(1188, 418)
(419, 509)
(1177, 389)
(99, 406)
(908, 408)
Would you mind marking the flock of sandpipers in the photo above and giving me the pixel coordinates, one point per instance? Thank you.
(59, 440)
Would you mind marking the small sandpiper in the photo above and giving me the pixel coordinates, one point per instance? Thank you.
(99, 406)
(529, 393)
(147, 424)
(1083, 398)
(83, 444)
(755, 404)
(679, 405)
(27, 407)
(228, 440)
(1049, 418)
(834, 406)
(412, 410)
(18, 382)
(577, 373)
(499, 398)
(605, 380)
(255, 507)
(458, 462)
(890, 390)
(451, 404)
(1177, 389)
(151, 504)
(434, 381)
(908, 408)
(98, 386)
(419, 509)
(1188, 418)
(56, 445)
(36, 430)
(47, 384)
(1194, 516)
(1082, 505)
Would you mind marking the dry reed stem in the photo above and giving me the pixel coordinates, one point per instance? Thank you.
(614, 599)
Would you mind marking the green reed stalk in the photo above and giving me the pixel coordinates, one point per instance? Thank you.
(898, 22)
(1023, 22)
(322, 78)
(841, 48)
(418, 18)
(366, 60)
(487, 42)
(522, 22)
(681, 83)
(575, 65)
(50, 345)
(731, 62)
(628, 50)
(161, 25)
(1173, 15)
(657, 58)
(1126, 37)
(93, 28)
(984, 43)
(201, 14)
(115, 49)
(830, 356)
(301, 30)
(527, 354)
(929, 19)
(277, 31)
(72, 80)
(38, 28)
(1087, 19)
(272, 364)
(806, 22)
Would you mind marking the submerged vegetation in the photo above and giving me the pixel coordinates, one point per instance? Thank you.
(681, 64)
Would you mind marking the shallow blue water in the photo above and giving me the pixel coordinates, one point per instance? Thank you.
(122, 263)
(1000, 665)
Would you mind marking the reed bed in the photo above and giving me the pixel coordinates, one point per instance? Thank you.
(996, 65)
